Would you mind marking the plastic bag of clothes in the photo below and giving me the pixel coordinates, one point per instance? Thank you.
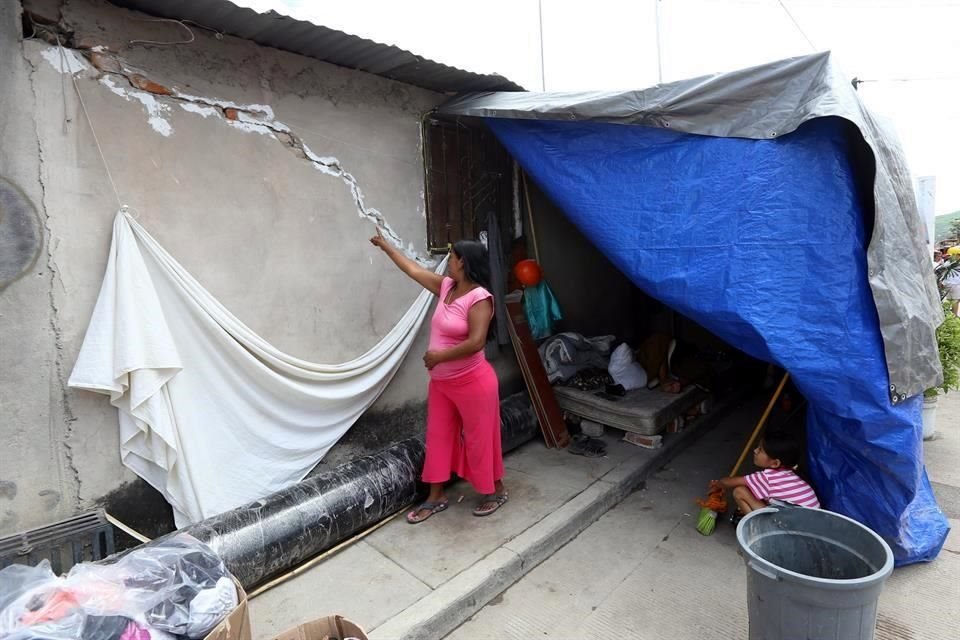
(567, 354)
(624, 369)
(175, 589)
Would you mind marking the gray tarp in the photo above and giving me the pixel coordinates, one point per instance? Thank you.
(765, 102)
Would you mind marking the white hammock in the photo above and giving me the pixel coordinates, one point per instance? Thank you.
(211, 414)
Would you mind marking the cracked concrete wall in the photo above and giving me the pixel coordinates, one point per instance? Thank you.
(34, 463)
(259, 170)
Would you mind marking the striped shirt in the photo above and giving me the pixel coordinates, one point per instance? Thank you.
(781, 484)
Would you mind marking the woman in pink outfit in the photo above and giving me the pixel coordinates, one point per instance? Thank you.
(463, 401)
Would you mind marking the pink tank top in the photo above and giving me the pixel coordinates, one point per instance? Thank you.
(450, 326)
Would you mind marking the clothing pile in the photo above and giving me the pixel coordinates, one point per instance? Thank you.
(567, 354)
(173, 590)
(590, 380)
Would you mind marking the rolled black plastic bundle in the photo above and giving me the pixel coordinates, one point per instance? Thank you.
(282, 530)
(518, 422)
(274, 534)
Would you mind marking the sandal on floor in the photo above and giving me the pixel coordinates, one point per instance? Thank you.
(498, 500)
(430, 507)
(583, 445)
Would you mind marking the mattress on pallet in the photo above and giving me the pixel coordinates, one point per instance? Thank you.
(643, 411)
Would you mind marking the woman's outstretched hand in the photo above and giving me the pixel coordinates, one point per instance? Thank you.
(379, 241)
(424, 277)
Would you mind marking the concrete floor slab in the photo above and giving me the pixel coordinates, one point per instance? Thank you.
(539, 542)
(953, 538)
(559, 466)
(449, 542)
(601, 576)
(920, 602)
(444, 608)
(943, 452)
(643, 572)
(359, 583)
(539, 480)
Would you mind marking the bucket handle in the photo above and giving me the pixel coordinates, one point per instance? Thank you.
(763, 571)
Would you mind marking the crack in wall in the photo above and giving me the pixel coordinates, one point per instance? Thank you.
(261, 117)
(60, 392)
(254, 118)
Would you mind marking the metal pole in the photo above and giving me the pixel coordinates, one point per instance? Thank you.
(656, 4)
(543, 77)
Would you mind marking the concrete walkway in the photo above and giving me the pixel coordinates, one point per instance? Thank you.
(423, 581)
(643, 572)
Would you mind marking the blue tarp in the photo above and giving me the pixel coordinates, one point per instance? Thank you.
(762, 242)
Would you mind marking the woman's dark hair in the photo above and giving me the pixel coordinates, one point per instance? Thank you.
(476, 261)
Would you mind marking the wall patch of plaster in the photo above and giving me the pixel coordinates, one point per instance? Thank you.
(65, 60)
(264, 111)
(250, 127)
(199, 109)
(245, 115)
(154, 108)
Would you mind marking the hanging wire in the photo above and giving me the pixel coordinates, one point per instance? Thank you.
(96, 139)
(177, 22)
(64, 69)
(183, 23)
(797, 25)
(216, 33)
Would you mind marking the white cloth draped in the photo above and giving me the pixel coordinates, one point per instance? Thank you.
(211, 414)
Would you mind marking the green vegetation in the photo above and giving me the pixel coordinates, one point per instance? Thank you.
(947, 226)
(948, 340)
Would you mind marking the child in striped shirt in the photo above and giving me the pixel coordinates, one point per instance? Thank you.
(778, 458)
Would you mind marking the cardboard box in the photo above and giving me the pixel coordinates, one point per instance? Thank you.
(235, 626)
(329, 628)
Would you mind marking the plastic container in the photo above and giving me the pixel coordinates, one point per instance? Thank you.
(929, 416)
(811, 574)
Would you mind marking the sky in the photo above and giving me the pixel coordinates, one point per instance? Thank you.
(907, 51)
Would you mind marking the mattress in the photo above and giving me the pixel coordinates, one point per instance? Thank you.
(641, 411)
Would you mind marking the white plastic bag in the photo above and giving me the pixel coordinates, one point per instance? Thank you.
(177, 586)
(624, 369)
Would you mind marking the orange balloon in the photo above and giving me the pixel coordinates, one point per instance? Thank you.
(528, 272)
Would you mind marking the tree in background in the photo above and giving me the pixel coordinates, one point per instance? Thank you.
(955, 228)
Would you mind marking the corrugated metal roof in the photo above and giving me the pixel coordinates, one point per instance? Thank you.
(336, 47)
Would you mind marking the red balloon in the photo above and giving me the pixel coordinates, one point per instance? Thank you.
(528, 272)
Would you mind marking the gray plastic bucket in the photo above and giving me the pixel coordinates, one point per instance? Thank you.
(811, 574)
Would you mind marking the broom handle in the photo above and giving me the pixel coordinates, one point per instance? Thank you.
(763, 421)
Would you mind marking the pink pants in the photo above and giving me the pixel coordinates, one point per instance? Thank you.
(463, 430)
